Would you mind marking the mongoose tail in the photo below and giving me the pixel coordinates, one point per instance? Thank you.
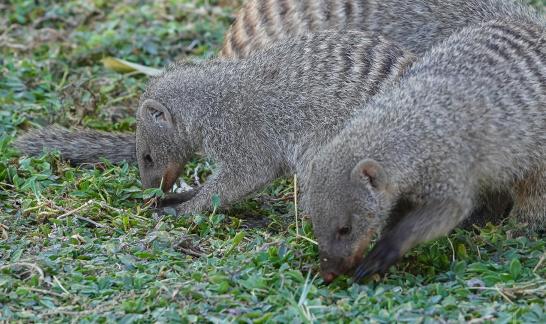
(79, 146)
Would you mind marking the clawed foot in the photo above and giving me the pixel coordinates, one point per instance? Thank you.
(173, 199)
(383, 255)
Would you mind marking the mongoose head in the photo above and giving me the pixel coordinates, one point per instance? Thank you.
(347, 201)
(166, 119)
(160, 156)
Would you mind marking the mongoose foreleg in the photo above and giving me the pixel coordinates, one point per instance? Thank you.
(425, 223)
(231, 183)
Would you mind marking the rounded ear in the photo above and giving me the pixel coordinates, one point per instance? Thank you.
(154, 112)
(369, 171)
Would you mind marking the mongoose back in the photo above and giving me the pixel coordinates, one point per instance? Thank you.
(416, 24)
(261, 117)
(468, 117)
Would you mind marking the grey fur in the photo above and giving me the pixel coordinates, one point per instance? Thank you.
(468, 118)
(415, 24)
(262, 117)
(79, 145)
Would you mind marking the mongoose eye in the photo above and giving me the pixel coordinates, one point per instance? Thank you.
(344, 230)
(148, 159)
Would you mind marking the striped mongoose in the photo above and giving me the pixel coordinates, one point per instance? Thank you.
(261, 117)
(466, 118)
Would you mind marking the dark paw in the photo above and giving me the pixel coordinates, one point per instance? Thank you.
(383, 255)
(173, 199)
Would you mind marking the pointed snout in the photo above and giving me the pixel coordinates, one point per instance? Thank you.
(166, 178)
(328, 277)
(170, 176)
(332, 267)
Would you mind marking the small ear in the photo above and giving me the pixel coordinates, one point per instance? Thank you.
(155, 112)
(369, 171)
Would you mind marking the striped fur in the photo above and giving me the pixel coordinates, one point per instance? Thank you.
(262, 117)
(466, 119)
(415, 24)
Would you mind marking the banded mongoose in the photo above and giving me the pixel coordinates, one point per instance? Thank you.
(466, 118)
(262, 117)
(416, 24)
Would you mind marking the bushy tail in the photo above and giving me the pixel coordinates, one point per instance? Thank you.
(79, 146)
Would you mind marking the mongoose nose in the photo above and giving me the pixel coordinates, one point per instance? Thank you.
(328, 277)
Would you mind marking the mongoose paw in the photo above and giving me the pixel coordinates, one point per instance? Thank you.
(383, 255)
(173, 199)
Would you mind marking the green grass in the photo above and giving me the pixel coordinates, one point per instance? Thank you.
(78, 244)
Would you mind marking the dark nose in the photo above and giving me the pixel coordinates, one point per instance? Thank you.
(328, 277)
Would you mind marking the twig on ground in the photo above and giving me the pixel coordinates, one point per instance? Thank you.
(73, 211)
(190, 252)
(282, 198)
(106, 206)
(46, 292)
(7, 185)
(4, 231)
(85, 219)
(90, 221)
(534, 287)
(195, 176)
(481, 319)
(68, 311)
(499, 290)
(540, 261)
(60, 285)
(479, 254)
(298, 235)
(28, 265)
(452, 250)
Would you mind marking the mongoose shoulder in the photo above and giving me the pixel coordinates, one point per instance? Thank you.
(467, 117)
(416, 24)
(261, 117)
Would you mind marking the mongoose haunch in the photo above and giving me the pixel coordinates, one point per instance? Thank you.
(416, 25)
(468, 117)
(261, 117)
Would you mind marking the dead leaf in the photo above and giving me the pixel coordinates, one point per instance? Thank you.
(123, 66)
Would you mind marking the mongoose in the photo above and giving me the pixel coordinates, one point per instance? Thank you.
(261, 117)
(416, 25)
(466, 118)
